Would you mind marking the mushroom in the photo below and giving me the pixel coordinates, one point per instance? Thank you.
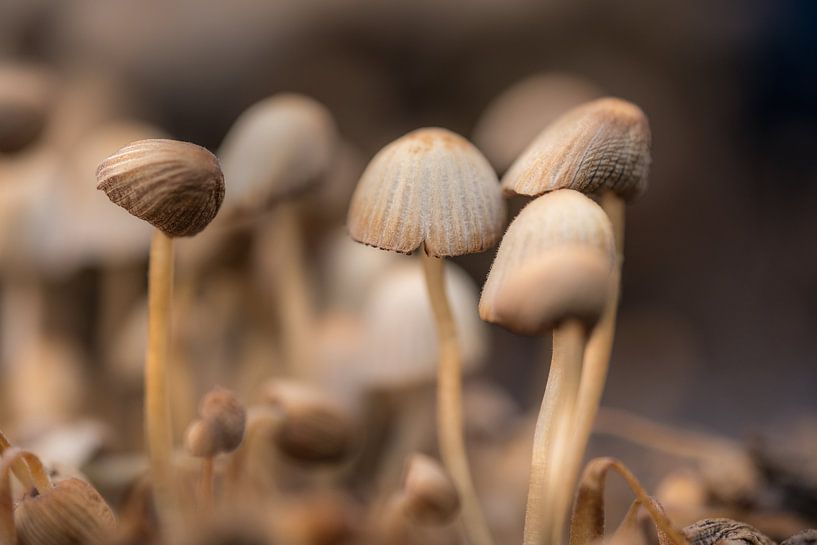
(26, 97)
(523, 110)
(552, 272)
(432, 188)
(276, 150)
(178, 188)
(602, 146)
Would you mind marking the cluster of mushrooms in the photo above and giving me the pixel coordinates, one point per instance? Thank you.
(329, 444)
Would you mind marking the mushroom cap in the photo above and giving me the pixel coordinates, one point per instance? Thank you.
(430, 186)
(26, 96)
(226, 415)
(514, 118)
(566, 282)
(278, 147)
(602, 144)
(400, 340)
(71, 512)
(558, 220)
(430, 495)
(175, 186)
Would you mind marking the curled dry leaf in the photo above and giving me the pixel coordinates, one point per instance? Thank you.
(587, 524)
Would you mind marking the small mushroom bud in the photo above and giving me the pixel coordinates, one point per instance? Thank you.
(175, 186)
(226, 415)
(25, 101)
(71, 512)
(429, 495)
(314, 429)
(201, 439)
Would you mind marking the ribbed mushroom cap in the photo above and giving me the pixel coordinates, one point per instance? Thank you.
(602, 144)
(515, 117)
(26, 94)
(72, 512)
(560, 220)
(278, 147)
(430, 496)
(400, 340)
(430, 186)
(175, 186)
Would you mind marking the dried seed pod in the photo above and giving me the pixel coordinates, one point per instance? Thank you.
(722, 531)
(429, 495)
(175, 186)
(280, 146)
(602, 144)
(71, 512)
(314, 429)
(430, 186)
(565, 220)
(515, 117)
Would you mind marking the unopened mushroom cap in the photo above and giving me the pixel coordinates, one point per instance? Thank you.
(602, 144)
(430, 496)
(226, 415)
(400, 340)
(175, 186)
(278, 147)
(71, 512)
(430, 186)
(558, 220)
(567, 282)
(515, 117)
(315, 428)
(26, 94)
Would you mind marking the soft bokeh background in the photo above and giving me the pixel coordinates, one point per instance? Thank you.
(718, 325)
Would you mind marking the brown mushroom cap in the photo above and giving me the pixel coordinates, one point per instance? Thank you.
(175, 186)
(26, 94)
(430, 186)
(278, 147)
(602, 144)
(430, 496)
(515, 117)
(530, 256)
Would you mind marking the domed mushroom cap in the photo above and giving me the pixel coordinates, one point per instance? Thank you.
(430, 186)
(400, 340)
(429, 494)
(569, 282)
(26, 94)
(515, 117)
(558, 220)
(175, 186)
(278, 147)
(604, 143)
(71, 512)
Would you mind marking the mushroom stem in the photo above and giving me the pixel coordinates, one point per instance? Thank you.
(11, 458)
(157, 401)
(596, 364)
(282, 241)
(206, 484)
(18, 467)
(554, 435)
(450, 431)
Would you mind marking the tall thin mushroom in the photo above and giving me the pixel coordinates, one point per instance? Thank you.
(602, 146)
(432, 188)
(178, 188)
(552, 272)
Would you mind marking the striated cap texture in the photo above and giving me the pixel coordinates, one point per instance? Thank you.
(514, 118)
(558, 220)
(278, 147)
(430, 186)
(71, 512)
(175, 186)
(602, 144)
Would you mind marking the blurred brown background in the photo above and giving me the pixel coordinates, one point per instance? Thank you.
(719, 318)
